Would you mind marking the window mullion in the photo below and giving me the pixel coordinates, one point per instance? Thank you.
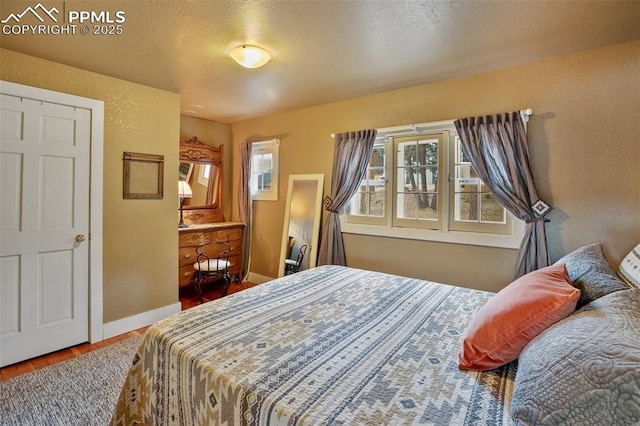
(446, 171)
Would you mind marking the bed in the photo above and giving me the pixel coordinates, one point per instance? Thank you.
(340, 346)
(330, 345)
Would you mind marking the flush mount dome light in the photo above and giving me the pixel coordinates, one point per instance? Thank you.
(250, 56)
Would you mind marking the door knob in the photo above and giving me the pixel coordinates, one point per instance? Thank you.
(80, 238)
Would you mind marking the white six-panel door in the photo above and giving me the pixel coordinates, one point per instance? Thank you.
(44, 227)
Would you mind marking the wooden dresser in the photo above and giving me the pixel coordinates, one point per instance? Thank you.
(189, 238)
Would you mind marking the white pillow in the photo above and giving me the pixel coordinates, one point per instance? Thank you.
(629, 269)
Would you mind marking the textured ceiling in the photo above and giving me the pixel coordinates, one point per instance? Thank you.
(322, 51)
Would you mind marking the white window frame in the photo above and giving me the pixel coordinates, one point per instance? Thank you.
(271, 146)
(470, 225)
(397, 221)
(376, 220)
(510, 237)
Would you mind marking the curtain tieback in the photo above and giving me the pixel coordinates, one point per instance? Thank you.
(537, 219)
(328, 202)
(541, 208)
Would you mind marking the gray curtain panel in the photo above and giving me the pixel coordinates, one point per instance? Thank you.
(350, 159)
(245, 206)
(498, 149)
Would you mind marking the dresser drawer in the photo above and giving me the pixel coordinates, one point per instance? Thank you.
(188, 255)
(234, 269)
(235, 247)
(193, 239)
(185, 275)
(226, 235)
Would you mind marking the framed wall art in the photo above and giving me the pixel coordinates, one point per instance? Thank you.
(143, 175)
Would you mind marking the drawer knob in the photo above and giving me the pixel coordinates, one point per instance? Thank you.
(187, 256)
(186, 274)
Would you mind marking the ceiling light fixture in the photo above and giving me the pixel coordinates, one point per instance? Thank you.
(250, 56)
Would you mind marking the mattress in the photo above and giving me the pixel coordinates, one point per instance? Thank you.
(327, 346)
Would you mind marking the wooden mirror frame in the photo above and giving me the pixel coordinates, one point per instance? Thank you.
(195, 151)
(315, 209)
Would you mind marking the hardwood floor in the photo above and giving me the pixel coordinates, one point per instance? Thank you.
(188, 299)
(34, 364)
(211, 291)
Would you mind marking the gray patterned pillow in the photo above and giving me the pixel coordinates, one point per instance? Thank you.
(585, 369)
(590, 273)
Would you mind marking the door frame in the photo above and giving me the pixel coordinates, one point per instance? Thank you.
(95, 189)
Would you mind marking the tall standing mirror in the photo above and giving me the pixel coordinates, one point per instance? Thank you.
(301, 231)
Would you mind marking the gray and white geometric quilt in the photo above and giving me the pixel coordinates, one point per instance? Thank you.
(330, 345)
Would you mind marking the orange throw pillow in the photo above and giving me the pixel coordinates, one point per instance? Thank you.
(516, 314)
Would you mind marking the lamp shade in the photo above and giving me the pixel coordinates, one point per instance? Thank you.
(250, 56)
(184, 190)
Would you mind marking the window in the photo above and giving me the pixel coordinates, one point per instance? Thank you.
(204, 170)
(474, 207)
(420, 185)
(368, 205)
(264, 170)
(416, 190)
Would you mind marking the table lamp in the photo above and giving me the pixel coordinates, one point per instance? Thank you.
(184, 191)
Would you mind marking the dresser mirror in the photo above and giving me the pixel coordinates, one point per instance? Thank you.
(203, 180)
(301, 232)
(200, 166)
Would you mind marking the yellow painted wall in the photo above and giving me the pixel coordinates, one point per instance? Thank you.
(213, 133)
(140, 236)
(583, 137)
(584, 146)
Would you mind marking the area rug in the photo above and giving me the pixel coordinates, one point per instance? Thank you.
(79, 391)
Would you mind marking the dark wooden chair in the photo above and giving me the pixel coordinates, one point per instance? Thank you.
(212, 263)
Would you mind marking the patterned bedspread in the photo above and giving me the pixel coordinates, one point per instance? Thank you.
(327, 346)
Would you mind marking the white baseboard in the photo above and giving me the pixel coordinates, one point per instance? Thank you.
(257, 278)
(125, 325)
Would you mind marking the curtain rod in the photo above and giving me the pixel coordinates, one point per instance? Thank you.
(524, 113)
